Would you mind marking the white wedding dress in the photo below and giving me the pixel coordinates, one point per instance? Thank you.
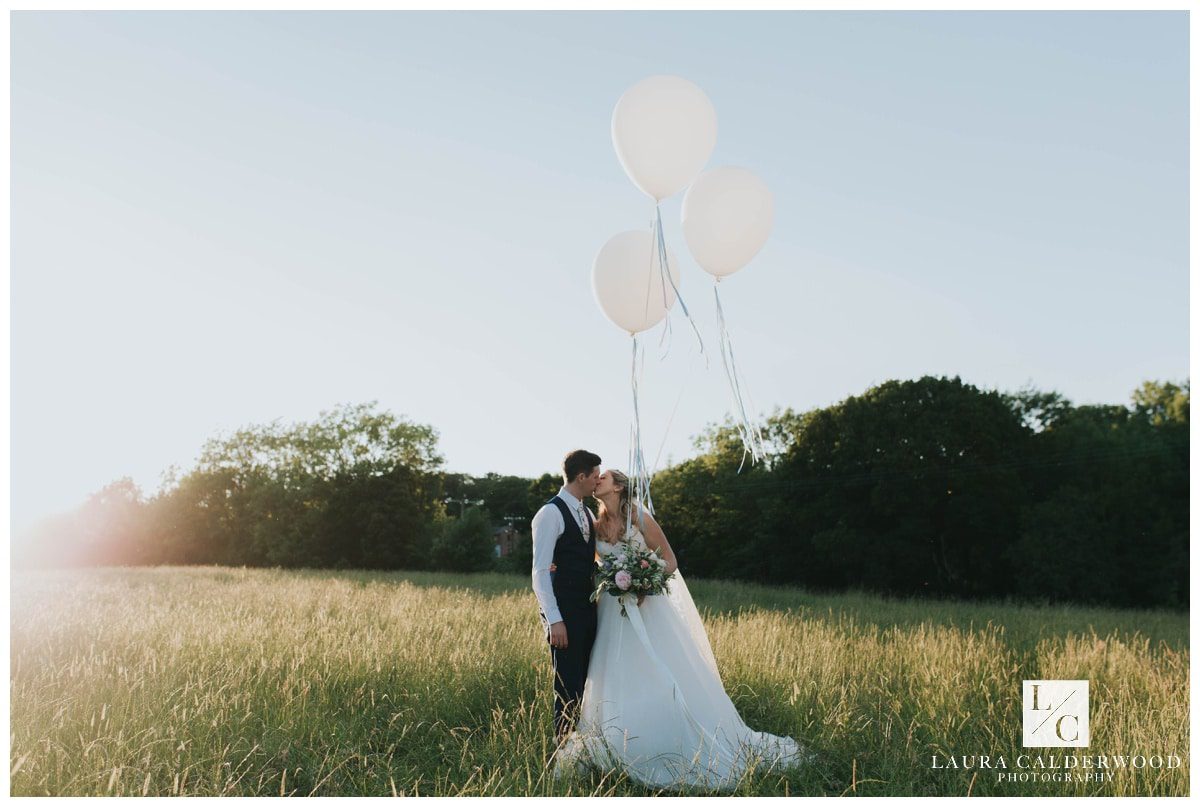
(654, 705)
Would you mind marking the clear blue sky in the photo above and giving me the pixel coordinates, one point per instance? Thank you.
(226, 218)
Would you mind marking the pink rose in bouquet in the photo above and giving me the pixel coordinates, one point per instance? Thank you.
(623, 579)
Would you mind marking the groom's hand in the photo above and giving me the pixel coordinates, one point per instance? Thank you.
(558, 635)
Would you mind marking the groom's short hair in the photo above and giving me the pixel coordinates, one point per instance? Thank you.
(579, 462)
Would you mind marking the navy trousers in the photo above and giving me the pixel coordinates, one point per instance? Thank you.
(571, 665)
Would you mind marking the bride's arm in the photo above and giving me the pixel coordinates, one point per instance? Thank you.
(656, 539)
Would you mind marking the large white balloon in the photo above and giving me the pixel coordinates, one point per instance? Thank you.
(727, 216)
(664, 129)
(628, 282)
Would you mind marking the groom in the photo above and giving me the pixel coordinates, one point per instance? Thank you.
(564, 537)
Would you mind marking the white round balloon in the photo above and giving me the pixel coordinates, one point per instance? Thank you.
(664, 129)
(727, 216)
(628, 282)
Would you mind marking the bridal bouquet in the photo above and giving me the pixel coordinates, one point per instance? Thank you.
(631, 569)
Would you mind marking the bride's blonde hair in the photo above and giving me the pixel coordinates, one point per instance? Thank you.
(623, 509)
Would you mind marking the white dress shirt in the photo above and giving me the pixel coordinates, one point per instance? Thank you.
(547, 528)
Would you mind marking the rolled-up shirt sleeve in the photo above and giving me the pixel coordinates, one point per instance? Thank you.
(547, 526)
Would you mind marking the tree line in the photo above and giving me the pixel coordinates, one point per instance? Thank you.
(930, 486)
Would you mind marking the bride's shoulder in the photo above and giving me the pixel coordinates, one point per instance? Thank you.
(641, 522)
(642, 516)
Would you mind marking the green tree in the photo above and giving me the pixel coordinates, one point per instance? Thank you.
(1107, 520)
(541, 490)
(464, 544)
(356, 487)
(1163, 403)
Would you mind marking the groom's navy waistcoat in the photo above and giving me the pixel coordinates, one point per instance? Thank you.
(574, 560)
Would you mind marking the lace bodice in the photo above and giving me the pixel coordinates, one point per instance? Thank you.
(605, 548)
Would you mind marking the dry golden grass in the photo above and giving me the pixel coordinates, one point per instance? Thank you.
(224, 681)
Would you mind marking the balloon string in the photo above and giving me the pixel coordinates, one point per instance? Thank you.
(639, 478)
(752, 442)
(671, 419)
(656, 256)
(665, 271)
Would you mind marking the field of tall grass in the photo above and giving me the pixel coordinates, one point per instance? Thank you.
(247, 682)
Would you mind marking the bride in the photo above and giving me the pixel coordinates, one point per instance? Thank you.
(653, 704)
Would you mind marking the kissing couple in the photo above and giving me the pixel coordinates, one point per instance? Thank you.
(639, 692)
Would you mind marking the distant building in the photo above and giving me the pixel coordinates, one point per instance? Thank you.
(506, 540)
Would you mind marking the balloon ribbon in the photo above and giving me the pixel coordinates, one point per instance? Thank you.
(639, 477)
(664, 270)
(752, 442)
